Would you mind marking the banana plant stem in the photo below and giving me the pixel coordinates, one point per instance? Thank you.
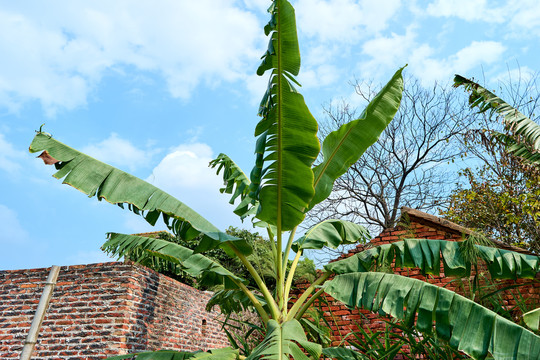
(279, 270)
(260, 283)
(272, 243)
(288, 249)
(290, 277)
(285, 261)
(273, 247)
(298, 304)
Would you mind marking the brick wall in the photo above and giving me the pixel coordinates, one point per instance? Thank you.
(101, 310)
(343, 320)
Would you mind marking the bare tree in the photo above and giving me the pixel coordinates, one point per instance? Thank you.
(408, 165)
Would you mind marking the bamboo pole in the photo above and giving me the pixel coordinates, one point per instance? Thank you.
(31, 339)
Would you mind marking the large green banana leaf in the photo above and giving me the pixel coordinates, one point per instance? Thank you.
(427, 255)
(170, 256)
(331, 233)
(282, 341)
(233, 177)
(95, 178)
(520, 124)
(532, 319)
(343, 147)
(468, 326)
(287, 146)
(215, 354)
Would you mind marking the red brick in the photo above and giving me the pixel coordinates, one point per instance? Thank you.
(105, 309)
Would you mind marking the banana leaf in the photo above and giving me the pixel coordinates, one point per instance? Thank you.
(519, 124)
(95, 178)
(331, 233)
(428, 254)
(532, 319)
(287, 143)
(343, 147)
(235, 180)
(466, 325)
(173, 257)
(281, 342)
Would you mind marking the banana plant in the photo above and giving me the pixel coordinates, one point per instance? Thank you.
(525, 141)
(283, 186)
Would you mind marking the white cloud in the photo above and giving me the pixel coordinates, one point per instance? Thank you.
(10, 158)
(521, 74)
(186, 166)
(12, 230)
(518, 14)
(430, 69)
(393, 51)
(526, 16)
(57, 52)
(344, 20)
(469, 10)
(377, 14)
(319, 54)
(119, 152)
(478, 52)
(184, 173)
(387, 52)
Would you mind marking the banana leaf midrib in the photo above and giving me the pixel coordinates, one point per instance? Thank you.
(280, 127)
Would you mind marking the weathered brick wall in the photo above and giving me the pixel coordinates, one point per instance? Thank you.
(343, 320)
(104, 309)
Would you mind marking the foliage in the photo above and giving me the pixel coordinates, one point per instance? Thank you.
(501, 197)
(261, 258)
(425, 345)
(524, 141)
(505, 207)
(282, 187)
(395, 339)
(316, 326)
(217, 354)
(374, 344)
(491, 294)
(243, 331)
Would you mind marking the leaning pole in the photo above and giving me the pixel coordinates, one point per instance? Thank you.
(31, 339)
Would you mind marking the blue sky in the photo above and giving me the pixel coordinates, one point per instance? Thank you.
(161, 90)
